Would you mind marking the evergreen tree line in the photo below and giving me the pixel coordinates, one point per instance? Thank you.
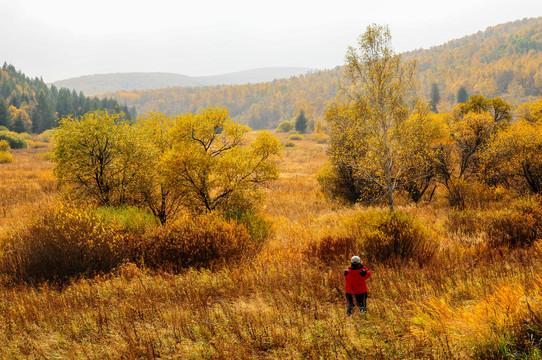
(29, 105)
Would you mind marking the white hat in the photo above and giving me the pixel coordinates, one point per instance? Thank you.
(355, 260)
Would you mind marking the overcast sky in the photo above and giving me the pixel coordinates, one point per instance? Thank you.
(59, 39)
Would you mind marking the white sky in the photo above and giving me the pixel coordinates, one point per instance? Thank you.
(59, 39)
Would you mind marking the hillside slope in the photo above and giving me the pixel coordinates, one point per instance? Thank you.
(504, 60)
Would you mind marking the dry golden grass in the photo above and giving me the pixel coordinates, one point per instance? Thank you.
(469, 302)
(26, 184)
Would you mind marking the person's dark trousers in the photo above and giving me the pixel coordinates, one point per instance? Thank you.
(361, 299)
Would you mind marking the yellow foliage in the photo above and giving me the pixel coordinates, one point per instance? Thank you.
(5, 157)
(486, 326)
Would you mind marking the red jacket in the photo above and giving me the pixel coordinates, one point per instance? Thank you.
(355, 280)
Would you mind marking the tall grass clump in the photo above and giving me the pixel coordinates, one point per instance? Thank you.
(391, 235)
(200, 241)
(464, 194)
(61, 244)
(504, 324)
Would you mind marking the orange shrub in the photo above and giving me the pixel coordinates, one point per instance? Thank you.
(199, 241)
(333, 248)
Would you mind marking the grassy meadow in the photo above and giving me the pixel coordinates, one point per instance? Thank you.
(471, 298)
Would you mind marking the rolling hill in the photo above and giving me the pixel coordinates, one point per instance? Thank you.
(104, 83)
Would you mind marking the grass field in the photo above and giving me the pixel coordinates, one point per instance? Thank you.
(468, 301)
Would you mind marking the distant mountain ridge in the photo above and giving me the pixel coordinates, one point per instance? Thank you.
(106, 83)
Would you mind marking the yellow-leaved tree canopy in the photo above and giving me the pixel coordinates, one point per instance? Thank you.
(198, 162)
(376, 137)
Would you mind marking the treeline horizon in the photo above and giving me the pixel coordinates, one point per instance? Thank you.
(31, 106)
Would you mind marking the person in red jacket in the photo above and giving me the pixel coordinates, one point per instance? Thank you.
(355, 277)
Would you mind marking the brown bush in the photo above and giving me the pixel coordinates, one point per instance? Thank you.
(515, 226)
(521, 225)
(200, 241)
(464, 194)
(333, 248)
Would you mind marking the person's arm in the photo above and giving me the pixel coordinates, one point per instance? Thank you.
(365, 273)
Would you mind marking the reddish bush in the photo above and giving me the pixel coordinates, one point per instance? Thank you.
(196, 241)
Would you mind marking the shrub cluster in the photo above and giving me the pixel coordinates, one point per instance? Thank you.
(289, 144)
(15, 140)
(518, 225)
(69, 242)
(130, 218)
(320, 138)
(61, 244)
(295, 137)
(388, 236)
(381, 236)
(257, 225)
(201, 241)
(45, 136)
(285, 126)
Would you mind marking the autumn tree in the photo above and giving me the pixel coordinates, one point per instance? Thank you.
(531, 112)
(214, 165)
(21, 120)
(426, 132)
(380, 89)
(96, 157)
(473, 124)
(514, 156)
(500, 110)
(154, 188)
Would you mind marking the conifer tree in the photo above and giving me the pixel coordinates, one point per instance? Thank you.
(462, 95)
(5, 114)
(301, 122)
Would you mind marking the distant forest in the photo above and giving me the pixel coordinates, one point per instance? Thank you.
(29, 105)
(260, 106)
(502, 61)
